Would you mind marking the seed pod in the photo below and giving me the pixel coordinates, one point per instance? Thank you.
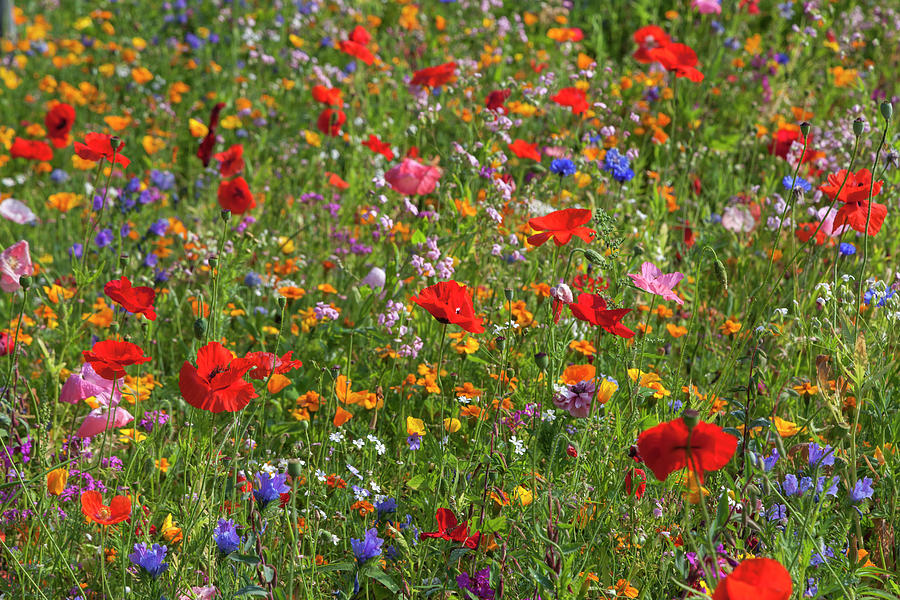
(200, 327)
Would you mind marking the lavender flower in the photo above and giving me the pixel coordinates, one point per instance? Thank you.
(368, 547)
(150, 559)
(269, 487)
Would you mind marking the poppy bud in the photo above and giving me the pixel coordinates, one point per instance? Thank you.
(123, 260)
(226, 215)
(721, 273)
(213, 261)
(294, 468)
(691, 418)
(542, 360)
(25, 282)
(281, 301)
(200, 326)
(593, 256)
(508, 294)
(857, 127)
(804, 128)
(572, 451)
(887, 110)
(115, 142)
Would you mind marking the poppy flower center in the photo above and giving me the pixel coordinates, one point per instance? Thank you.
(103, 513)
(216, 370)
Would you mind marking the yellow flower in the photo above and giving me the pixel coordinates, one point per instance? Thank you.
(606, 390)
(56, 481)
(170, 531)
(56, 292)
(131, 435)
(785, 428)
(197, 128)
(64, 201)
(730, 327)
(843, 77)
(152, 145)
(162, 464)
(524, 496)
(415, 426)
(451, 425)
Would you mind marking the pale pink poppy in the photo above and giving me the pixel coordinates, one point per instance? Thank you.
(652, 280)
(200, 593)
(707, 7)
(737, 218)
(16, 211)
(411, 177)
(86, 384)
(100, 419)
(15, 262)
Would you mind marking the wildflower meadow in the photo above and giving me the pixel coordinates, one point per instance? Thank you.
(439, 299)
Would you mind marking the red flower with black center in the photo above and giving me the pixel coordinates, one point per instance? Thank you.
(573, 98)
(110, 357)
(235, 196)
(217, 382)
(495, 101)
(449, 302)
(435, 76)
(59, 121)
(30, 150)
(360, 35)
(678, 58)
(561, 225)
(264, 364)
(592, 308)
(231, 162)
(330, 121)
(664, 448)
(756, 579)
(523, 149)
(379, 147)
(451, 530)
(357, 50)
(92, 507)
(855, 195)
(647, 38)
(326, 95)
(137, 300)
(204, 152)
(100, 145)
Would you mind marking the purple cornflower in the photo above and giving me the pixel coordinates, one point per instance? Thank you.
(480, 586)
(150, 559)
(863, 489)
(269, 487)
(414, 441)
(819, 456)
(226, 537)
(368, 547)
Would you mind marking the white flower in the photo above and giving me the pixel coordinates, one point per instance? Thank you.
(518, 444)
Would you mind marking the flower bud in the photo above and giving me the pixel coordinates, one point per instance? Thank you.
(887, 110)
(25, 282)
(804, 128)
(226, 215)
(294, 468)
(213, 261)
(542, 360)
(857, 127)
(200, 327)
(508, 294)
(721, 274)
(123, 260)
(691, 418)
(593, 256)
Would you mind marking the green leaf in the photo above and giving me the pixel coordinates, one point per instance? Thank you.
(418, 237)
(383, 578)
(246, 559)
(416, 482)
(254, 591)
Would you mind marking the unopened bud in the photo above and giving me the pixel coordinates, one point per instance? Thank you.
(542, 360)
(200, 326)
(691, 418)
(281, 301)
(804, 128)
(857, 127)
(508, 294)
(123, 260)
(593, 256)
(213, 261)
(887, 110)
(721, 273)
(294, 468)
(25, 282)
(226, 215)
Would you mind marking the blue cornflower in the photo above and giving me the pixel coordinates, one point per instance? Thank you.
(798, 184)
(150, 559)
(790, 485)
(562, 167)
(226, 537)
(769, 461)
(368, 547)
(806, 484)
(159, 227)
(675, 406)
(819, 456)
(164, 180)
(863, 489)
(786, 10)
(134, 184)
(269, 487)
(150, 260)
(104, 238)
(75, 250)
(414, 441)
(777, 512)
(847, 249)
(252, 279)
(812, 588)
(59, 176)
(618, 166)
(386, 507)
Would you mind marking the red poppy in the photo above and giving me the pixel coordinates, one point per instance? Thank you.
(231, 161)
(335, 180)
(573, 98)
(756, 579)
(137, 300)
(110, 357)
(451, 530)
(59, 121)
(856, 211)
(592, 308)
(561, 225)
(647, 38)
(100, 145)
(679, 58)
(92, 507)
(786, 137)
(204, 152)
(379, 147)
(435, 76)
(640, 477)
(360, 35)
(805, 231)
(30, 149)
(357, 50)
(495, 100)
(217, 382)
(264, 364)
(235, 196)
(523, 149)
(664, 448)
(330, 121)
(326, 95)
(449, 302)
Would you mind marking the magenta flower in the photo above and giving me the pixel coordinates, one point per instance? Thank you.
(15, 262)
(652, 280)
(412, 178)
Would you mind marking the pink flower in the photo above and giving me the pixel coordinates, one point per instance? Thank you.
(707, 7)
(413, 178)
(576, 398)
(654, 281)
(103, 418)
(16, 211)
(200, 593)
(15, 262)
(87, 383)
